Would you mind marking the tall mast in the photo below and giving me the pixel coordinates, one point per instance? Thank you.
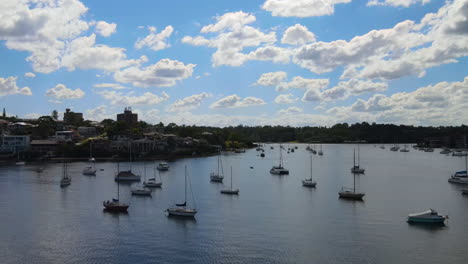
(358, 156)
(185, 200)
(354, 158)
(310, 167)
(118, 191)
(354, 182)
(218, 162)
(231, 177)
(281, 157)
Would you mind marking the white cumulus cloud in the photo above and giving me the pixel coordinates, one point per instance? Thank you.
(188, 103)
(118, 98)
(164, 73)
(233, 36)
(290, 110)
(297, 35)
(60, 91)
(234, 101)
(8, 87)
(155, 41)
(105, 29)
(301, 8)
(285, 99)
(403, 3)
(30, 75)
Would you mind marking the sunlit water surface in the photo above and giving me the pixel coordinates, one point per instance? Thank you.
(273, 220)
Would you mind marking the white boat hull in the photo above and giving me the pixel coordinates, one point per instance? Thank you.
(458, 180)
(427, 217)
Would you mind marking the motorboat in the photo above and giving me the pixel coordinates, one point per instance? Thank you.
(428, 217)
(458, 180)
(90, 170)
(459, 153)
(465, 191)
(429, 150)
(163, 166)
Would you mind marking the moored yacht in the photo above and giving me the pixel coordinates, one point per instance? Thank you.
(182, 209)
(279, 170)
(428, 217)
(163, 166)
(218, 176)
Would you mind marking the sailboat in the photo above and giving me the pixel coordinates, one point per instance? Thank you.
(356, 168)
(153, 182)
(115, 205)
(320, 152)
(141, 190)
(348, 193)
(219, 175)
(90, 170)
(66, 179)
(230, 190)
(127, 175)
(182, 209)
(309, 182)
(279, 170)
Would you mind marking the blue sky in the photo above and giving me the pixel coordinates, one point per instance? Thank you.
(278, 62)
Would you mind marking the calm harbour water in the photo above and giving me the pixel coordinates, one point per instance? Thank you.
(273, 220)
